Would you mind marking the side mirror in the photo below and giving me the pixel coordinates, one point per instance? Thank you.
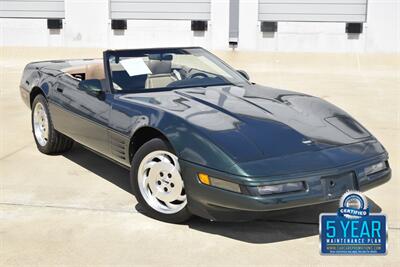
(92, 87)
(244, 74)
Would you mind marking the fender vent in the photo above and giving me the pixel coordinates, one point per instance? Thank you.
(118, 147)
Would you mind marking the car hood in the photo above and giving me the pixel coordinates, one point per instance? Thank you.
(254, 122)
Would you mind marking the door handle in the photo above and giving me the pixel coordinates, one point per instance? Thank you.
(60, 90)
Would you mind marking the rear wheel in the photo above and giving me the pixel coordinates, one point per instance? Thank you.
(157, 182)
(47, 139)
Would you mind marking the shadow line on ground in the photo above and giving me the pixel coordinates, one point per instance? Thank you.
(274, 227)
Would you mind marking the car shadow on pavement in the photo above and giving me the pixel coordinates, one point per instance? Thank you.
(274, 226)
(100, 166)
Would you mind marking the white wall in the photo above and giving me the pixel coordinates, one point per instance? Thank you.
(87, 24)
(28, 32)
(381, 32)
(145, 33)
(383, 26)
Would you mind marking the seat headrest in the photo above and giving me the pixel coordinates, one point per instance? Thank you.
(159, 66)
(95, 71)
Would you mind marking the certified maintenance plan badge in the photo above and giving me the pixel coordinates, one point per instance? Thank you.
(353, 230)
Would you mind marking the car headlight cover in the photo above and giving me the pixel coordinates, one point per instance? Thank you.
(280, 188)
(375, 168)
(219, 183)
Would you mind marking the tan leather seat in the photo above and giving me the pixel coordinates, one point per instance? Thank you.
(91, 71)
(75, 69)
(159, 80)
(95, 71)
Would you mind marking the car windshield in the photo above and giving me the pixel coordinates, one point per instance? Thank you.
(143, 70)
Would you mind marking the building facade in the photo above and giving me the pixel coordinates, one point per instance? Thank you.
(256, 25)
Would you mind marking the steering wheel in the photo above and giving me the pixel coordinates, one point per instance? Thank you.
(198, 75)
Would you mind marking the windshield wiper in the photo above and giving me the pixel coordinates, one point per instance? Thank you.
(200, 85)
(217, 84)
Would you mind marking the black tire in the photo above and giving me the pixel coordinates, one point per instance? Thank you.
(151, 146)
(56, 142)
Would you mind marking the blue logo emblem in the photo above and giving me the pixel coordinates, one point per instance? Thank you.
(353, 229)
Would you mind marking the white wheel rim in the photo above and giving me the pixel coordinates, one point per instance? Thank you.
(40, 124)
(160, 182)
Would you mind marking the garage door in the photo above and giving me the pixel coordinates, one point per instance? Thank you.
(32, 9)
(161, 9)
(313, 10)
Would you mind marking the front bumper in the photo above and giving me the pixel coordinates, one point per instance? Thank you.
(218, 204)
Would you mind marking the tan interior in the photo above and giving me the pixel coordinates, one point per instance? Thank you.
(95, 70)
(159, 80)
(91, 71)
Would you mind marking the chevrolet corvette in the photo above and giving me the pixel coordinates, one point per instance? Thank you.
(198, 137)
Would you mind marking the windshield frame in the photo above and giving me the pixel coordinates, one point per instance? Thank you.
(177, 50)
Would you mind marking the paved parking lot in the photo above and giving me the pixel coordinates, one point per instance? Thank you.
(76, 209)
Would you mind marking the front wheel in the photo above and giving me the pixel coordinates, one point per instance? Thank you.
(157, 182)
(47, 139)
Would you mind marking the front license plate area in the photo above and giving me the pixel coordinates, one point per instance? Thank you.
(335, 186)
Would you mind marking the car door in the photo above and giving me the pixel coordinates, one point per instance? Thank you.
(79, 115)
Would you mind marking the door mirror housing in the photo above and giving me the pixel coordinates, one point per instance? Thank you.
(244, 74)
(92, 87)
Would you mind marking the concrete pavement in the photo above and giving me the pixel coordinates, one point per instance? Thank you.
(76, 209)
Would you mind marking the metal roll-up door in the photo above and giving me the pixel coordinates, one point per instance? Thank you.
(32, 9)
(161, 9)
(313, 10)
